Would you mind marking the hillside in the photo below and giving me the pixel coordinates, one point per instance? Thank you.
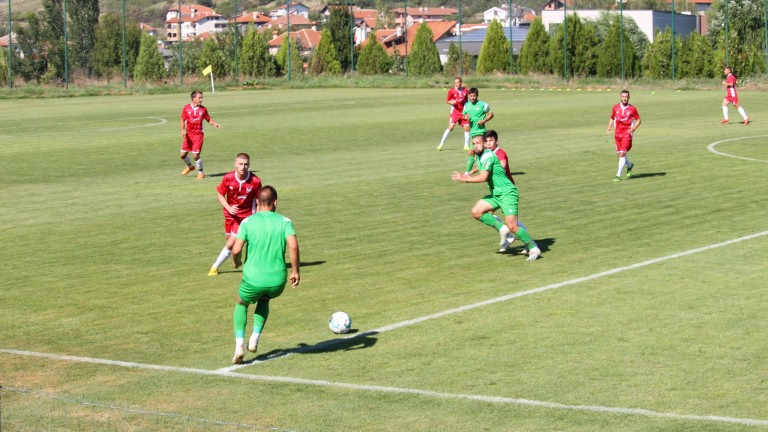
(153, 11)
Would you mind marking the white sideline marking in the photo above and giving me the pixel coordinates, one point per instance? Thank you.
(499, 300)
(712, 146)
(401, 390)
(227, 372)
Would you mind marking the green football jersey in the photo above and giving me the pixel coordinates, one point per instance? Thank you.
(265, 233)
(477, 112)
(498, 182)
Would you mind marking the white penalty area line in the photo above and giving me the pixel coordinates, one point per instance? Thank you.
(712, 146)
(400, 390)
(326, 344)
(228, 372)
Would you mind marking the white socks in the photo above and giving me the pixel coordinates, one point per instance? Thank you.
(466, 139)
(186, 161)
(445, 136)
(199, 165)
(743, 113)
(223, 255)
(623, 161)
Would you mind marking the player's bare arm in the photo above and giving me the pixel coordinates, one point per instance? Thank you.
(223, 201)
(635, 125)
(293, 252)
(487, 118)
(481, 177)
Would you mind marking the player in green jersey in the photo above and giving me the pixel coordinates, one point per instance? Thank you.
(267, 235)
(503, 195)
(477, 112)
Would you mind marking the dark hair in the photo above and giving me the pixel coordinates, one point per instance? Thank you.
(490, 133)
(474, 91)
(267, 195)
(192, 95)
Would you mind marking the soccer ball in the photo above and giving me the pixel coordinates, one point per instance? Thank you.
(340, 323)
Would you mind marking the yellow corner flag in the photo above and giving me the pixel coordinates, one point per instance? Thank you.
(207, 70)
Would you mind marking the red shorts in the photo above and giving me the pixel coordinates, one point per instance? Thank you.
(732, 99)
(457, 118)
(623, 143)
(192, 143)
(231, 224)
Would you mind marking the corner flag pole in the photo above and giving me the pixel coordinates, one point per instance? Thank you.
(213, 90)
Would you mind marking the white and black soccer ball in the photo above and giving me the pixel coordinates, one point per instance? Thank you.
(340, 323)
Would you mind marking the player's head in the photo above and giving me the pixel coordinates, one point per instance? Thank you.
(625, 97)
(478, 142)
(242, 163)
(473, 94)
(267, 197)
(196, 96)
(491, 139)
(457, 82)
(727, 70)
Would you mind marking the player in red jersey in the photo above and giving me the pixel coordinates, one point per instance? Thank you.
(236, 193)
(192, 116)
(731, 97)
(626, 119)
(457, 97)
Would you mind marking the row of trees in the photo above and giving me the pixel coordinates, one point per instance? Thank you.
(604, 47)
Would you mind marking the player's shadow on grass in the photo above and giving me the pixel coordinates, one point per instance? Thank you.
(346, 343)
(543, 244)
(645, 175)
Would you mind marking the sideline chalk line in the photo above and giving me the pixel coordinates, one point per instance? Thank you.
(401, 390)
(504, 298)
(227, 372)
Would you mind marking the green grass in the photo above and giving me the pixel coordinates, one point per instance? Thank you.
(106, 249)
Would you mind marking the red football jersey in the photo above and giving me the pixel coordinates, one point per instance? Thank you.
(460, 95)
(501, 155)
(622, 117)
(730, 82)
(240, 193)
(193, 118)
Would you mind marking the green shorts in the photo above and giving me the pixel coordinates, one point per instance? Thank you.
(251, 294)
(507, 203)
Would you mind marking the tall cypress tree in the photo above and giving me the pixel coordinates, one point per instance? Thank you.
(149, 65)
(324, 60)
(338, 24)
(533, 54)
(609, 55)
(84, 16)
(494, 54)
(373, 58)
(424, 58)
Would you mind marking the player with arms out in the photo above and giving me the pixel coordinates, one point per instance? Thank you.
(267, 235)
(731, 96)
(626, 119)
(457, 97)
(503, 195)
(192, 116)
(237, 194)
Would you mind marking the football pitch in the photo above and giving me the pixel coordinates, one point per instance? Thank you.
(646, 311)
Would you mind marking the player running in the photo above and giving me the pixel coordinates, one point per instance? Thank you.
(237, 195)
(731, 97)
(457, 97)
(503, 195)
(192, 116)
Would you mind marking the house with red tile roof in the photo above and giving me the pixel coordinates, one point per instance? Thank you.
(190, 21)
